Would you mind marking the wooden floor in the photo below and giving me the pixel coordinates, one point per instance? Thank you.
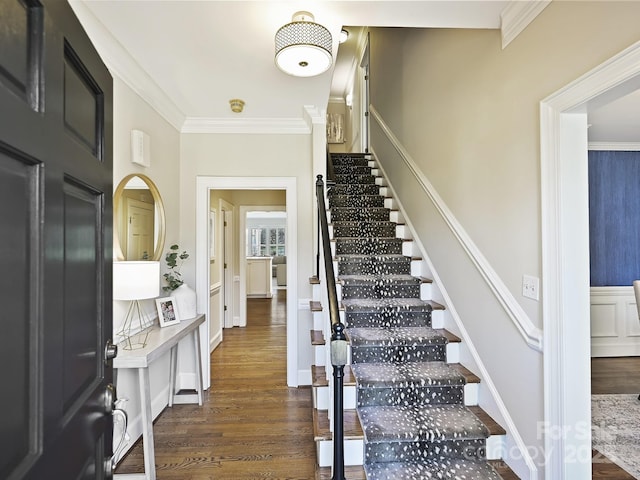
(613, 375)
(252, 426)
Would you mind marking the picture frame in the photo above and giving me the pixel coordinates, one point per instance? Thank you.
(167, 311)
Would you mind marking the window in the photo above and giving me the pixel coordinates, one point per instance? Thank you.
(266, 242)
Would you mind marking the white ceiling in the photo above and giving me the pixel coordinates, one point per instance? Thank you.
(188, 58)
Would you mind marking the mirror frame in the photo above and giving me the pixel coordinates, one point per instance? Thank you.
(158, 205)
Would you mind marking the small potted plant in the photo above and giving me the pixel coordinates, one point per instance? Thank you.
(184, 295)
(174, 262)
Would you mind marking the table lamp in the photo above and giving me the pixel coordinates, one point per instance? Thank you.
(135, 281)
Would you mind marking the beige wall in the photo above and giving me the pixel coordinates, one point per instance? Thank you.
(232, 155)
(235, 155)
(131, 112)
(467, 112)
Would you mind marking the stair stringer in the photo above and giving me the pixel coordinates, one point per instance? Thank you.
(489, 398)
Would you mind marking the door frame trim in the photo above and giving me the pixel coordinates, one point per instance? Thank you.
(289, 184)
(565, 258)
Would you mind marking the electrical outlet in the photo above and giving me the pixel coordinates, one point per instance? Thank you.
(530, 287)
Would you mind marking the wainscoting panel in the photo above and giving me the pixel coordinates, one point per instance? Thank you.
(615, 328)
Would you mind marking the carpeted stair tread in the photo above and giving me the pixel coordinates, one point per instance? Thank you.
(344, 169)
(386, 304)
(393, 264)
(431, 423)
(454, 469)
(380, 279)
(382, 258)
(355, 189)
(360, 201)
(354, 178)
(401, 375)
(357, 214)
(395, 336)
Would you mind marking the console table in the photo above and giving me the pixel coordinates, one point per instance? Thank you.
(159, 342)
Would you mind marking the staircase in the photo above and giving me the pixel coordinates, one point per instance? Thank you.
(409, 410)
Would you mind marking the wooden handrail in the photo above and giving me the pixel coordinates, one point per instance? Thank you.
(338, 339)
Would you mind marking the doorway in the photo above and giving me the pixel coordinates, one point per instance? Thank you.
(565, 256)
(203, 185)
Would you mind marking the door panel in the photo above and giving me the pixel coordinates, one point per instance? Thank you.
(55, 222)
(21, 50)
(81, 372)
(83, 110)
(19, 182)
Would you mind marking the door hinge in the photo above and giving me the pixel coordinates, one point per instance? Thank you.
(225, 308)
(225, 224)
(225, 265)
(366, 114)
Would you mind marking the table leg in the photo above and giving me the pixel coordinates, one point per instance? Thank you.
(173, 367)
(147, 424)
(196, 337)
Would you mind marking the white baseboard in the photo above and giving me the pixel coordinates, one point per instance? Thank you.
(215, 341)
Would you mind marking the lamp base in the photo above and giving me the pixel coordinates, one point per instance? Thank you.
(134, 332)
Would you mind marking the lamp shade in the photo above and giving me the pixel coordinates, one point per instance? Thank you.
(303, 48)
(136, 280)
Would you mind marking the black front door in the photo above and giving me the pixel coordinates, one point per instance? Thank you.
(55, 246)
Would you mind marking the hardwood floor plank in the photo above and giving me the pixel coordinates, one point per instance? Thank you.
(613, 375)
(251, 425)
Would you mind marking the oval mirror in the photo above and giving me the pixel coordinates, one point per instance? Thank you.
(138, 219)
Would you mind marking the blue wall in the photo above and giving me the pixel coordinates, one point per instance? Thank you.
(614, 217)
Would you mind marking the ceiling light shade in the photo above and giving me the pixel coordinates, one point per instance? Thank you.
(303, 47)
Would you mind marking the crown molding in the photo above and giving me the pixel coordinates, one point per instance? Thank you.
(314, 116)
(615, 146)
(272, 126)
(122, 65)
(517, 16)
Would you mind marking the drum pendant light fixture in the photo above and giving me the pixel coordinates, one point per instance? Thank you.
(303, 47)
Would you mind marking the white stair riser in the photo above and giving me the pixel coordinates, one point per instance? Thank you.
(495, 447)
(353, 452)
(453, 352)
(416, 268)
(396, 216)
(471, 394)
(425, 291)
(318, 320)
(322, 398)
(319, 355)
(437, 318)
(402, 232)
